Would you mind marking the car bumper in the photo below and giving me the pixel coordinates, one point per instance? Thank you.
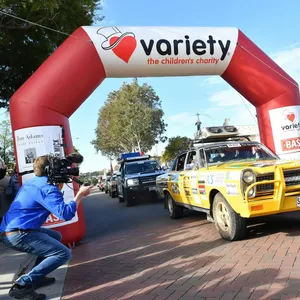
(271, 206)
(141, 191)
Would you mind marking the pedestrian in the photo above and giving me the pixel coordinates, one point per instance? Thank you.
(4, 180)
(13, 186)
(21, 228)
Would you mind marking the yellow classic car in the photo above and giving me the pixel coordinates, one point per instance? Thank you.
(230, 180)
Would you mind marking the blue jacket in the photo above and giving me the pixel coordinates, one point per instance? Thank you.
(34, 203)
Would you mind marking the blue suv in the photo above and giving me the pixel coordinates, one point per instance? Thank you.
(137, 178)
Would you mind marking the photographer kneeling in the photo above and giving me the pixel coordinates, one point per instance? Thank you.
(21, 228)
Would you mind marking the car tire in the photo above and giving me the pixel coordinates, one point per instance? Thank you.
(175, 211)
(121, 199)
(230, 225)
(127, 199)
(113, 194)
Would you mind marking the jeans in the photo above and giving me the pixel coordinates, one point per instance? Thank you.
(45, 244)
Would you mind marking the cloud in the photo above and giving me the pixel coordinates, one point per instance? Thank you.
(229, 103)
(289, 61)
(212, 81)
(228, 97)
(181, 117)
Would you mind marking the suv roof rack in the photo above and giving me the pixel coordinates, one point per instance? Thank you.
(133, 156)
(215, 139)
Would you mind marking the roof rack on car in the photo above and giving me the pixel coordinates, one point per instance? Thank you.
(133, 156)
(217, 134)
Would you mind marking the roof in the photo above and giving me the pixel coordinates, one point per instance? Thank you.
(223, 143)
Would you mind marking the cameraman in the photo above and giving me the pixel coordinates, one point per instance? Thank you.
(21, 228)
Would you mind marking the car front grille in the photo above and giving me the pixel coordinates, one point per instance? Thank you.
(291, 178)
(148, 180)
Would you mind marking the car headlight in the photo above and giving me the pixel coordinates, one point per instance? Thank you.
(248, 176)
(251, 192)
(131, 182)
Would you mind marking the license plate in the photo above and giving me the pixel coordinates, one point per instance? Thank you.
(153, 188)
(298, 201)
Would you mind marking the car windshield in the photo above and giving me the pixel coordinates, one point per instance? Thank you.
(142, 167)
(237, 152)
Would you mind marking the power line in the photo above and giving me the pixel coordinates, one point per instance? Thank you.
(287, 79)
(248, 109)
(36, 24)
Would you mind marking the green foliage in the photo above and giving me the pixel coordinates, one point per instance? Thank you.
(130, 120)
(174, 147)
(90, 177)
(24, 46)
(75, 149)
(6, 144)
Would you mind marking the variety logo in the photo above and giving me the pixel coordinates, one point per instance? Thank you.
(290, 117)
(123, 44)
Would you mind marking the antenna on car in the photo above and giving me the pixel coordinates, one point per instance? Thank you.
(198, 124)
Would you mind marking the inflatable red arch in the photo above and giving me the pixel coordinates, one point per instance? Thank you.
(40, 109)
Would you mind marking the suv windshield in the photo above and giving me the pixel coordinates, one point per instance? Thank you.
(237, 152)
(142, 167)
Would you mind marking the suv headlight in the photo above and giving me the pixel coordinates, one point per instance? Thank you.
(248, 176)
(131, 182)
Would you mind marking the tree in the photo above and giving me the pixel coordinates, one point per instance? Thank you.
(6, 144)
(76, 150)
(130, 120)
(24, 46)
(174, 147)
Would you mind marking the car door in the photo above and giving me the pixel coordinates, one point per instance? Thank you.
(189, 180)
(120, 181)
(175, 178)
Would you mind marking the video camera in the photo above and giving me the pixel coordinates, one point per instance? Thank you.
(60, 170)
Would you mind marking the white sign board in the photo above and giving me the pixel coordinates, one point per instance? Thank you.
(163, 51)
(285, 124)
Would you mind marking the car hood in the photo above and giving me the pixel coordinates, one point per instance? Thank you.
(138, 175)
(258, 165)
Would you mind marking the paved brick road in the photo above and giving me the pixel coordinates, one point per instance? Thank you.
(186, 259)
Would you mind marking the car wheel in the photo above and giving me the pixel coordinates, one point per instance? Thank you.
(230, 225)
(127, 199)
(113, 194)
(175, 211)
(121, 199)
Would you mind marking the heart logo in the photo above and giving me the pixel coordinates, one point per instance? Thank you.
(291, 117)
(125, 48)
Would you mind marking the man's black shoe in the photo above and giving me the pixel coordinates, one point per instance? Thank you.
(44, 282)
(26, 293)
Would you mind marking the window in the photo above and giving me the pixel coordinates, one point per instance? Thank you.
(202, 158)
(149, 166)
(180, 162)
(122, 171)
(191, 157)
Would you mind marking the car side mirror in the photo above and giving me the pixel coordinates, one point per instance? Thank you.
(164, 168)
